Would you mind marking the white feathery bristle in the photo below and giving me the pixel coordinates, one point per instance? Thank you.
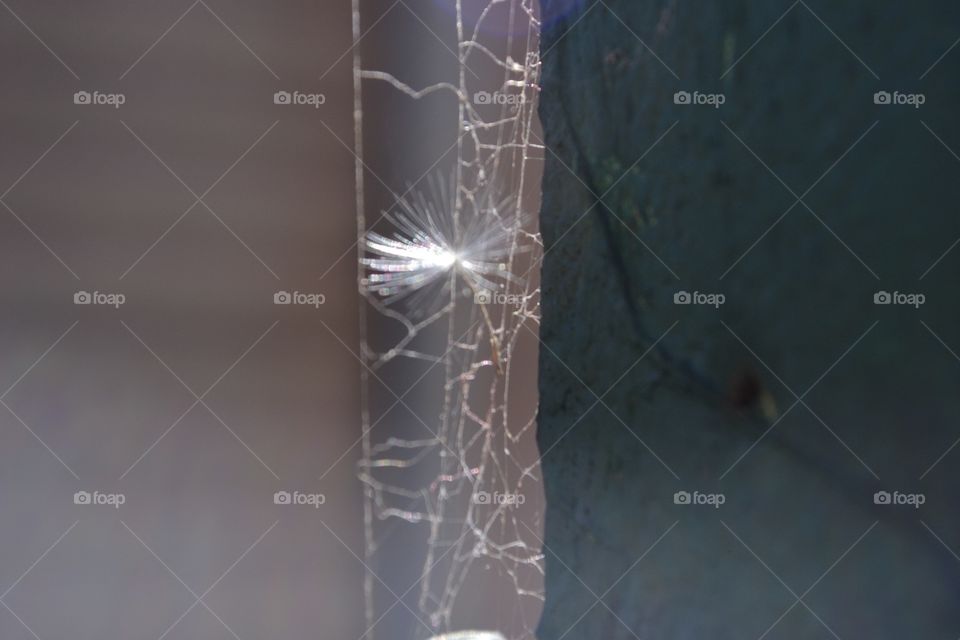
(425, 247)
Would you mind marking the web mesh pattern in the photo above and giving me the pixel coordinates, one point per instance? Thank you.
(448, 273)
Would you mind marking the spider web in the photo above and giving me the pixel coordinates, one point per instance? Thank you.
(451, 477)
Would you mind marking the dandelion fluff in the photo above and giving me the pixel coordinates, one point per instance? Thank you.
(427, 251)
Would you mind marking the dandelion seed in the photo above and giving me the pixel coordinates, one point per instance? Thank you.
(427, 252)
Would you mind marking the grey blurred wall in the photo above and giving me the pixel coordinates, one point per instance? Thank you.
(96, 398)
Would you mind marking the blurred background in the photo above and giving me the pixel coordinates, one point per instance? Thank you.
(151, 168)
(197, 199)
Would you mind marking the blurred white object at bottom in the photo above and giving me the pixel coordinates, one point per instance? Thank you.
(470, 635)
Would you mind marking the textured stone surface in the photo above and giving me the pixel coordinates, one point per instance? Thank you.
(883, 405)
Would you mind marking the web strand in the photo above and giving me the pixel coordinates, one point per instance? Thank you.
(438, 280)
